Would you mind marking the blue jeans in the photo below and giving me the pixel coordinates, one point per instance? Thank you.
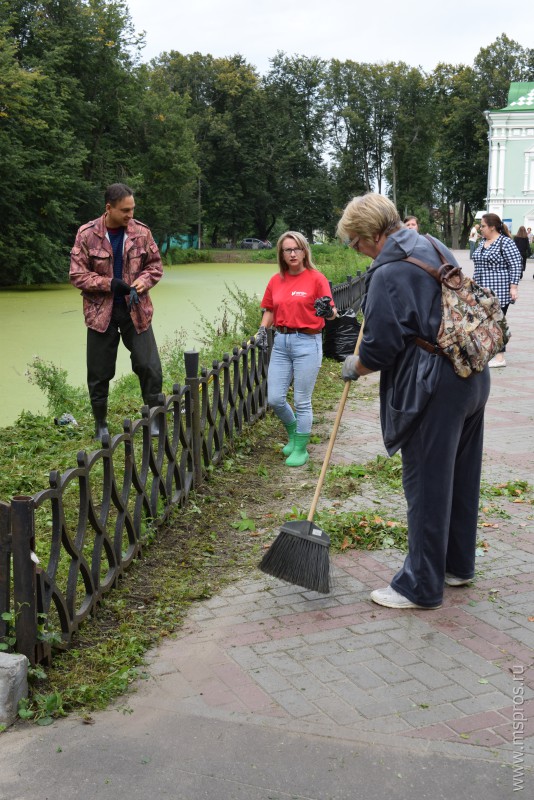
(294, 356)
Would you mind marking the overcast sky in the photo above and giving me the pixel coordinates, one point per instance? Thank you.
(418, 33)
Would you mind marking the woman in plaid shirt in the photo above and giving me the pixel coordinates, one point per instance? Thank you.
(497, 267)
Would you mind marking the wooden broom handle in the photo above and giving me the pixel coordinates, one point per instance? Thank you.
(333, 435)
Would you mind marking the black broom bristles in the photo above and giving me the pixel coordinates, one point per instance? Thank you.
(299, 555)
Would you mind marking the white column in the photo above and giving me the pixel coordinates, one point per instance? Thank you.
(529, 172)
(502, 160)
(493, 169)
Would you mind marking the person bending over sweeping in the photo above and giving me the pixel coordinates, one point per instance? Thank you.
(296, 303)
(430, 413)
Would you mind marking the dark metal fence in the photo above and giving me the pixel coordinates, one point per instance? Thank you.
(93, 520)
(350, 293)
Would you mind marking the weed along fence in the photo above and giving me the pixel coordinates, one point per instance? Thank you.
(64, 548)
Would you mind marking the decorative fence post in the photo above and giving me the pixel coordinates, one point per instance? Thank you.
(5, 565)
(191, 359)
(24, 580)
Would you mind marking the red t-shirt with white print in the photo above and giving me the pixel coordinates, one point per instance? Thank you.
(291, 299)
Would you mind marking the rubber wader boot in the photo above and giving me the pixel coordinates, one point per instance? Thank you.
(100, 411)
(291, 431)
(154, 426)
(157, 421)
(300, 455)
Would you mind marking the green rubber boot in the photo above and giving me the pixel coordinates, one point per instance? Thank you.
(291, 430)
(300, 455)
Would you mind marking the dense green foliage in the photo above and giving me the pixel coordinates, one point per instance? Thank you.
(209, 145)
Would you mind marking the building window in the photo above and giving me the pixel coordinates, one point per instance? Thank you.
(529, 171)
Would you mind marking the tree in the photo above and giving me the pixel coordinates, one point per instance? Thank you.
(294, 88)
(497, 66)
(410, 170)
(90, 50)
(40, 168)
(73, 140)
(166, 166)
(364, 112)
(228, 114)
(350, 133)
(461, 148)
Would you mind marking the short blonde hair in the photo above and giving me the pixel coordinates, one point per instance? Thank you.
(368, 216)
(302, 242)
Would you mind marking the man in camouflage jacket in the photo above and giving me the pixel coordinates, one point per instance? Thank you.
(114, 262)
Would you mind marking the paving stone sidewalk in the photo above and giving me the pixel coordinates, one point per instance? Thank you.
(456, 683)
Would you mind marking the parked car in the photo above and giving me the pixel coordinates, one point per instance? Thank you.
(255, 244)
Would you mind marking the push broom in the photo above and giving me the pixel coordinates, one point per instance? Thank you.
(299, 554)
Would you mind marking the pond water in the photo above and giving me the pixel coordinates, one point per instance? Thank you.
(47, 321)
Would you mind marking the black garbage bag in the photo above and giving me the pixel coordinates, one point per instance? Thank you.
(340, 335)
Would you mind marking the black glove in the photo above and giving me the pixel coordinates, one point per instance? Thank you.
(119, 287)
(323, 307)
(261, 338)
(133, 299)
(348, 370)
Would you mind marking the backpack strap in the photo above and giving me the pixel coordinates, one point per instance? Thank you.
(444, 275)
(434, 271)
(447, 273)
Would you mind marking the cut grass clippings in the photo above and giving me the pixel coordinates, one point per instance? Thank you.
(362, 530)
(345, 480)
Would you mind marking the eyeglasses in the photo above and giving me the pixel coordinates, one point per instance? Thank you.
(288, 250)
(354, 243)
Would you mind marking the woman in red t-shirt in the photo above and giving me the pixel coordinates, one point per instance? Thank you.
(296, 302)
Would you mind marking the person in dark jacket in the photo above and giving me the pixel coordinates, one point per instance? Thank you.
(115, 262)
(522, 244)
(427, 411)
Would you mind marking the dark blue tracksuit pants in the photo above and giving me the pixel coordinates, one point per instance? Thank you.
(441, 465)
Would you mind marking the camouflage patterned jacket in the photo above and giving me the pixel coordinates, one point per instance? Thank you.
(91, 270)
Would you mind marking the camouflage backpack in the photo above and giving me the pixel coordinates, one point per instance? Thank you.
(473, 328)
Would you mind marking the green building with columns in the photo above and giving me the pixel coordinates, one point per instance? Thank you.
(511, 158)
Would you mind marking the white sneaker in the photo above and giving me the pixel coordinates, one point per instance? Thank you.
(452, 580)
(391, 599)
(496, 362)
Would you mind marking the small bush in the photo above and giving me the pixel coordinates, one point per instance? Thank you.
(260, 256)
(336, 261)
(188, 256)
(171, 354)
(52, 380)
(241, 317)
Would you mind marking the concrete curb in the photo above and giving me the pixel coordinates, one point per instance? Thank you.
(13, 685)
